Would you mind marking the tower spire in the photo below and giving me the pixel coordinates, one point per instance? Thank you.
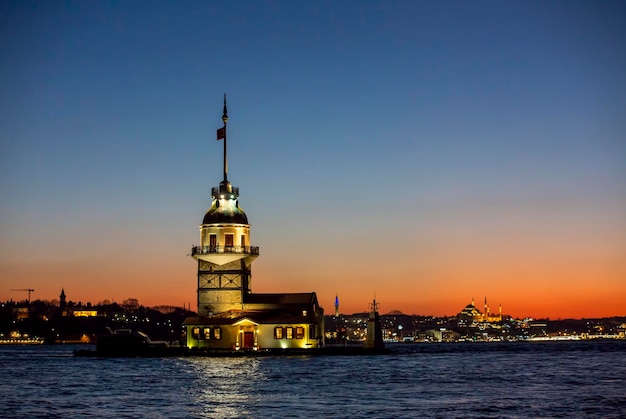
(225, 120)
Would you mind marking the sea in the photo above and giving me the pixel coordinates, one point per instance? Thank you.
(585, 379)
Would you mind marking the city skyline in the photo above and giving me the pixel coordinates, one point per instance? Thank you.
(422, 153)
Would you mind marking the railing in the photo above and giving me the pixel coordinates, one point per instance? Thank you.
(216, 192)
(208, 250)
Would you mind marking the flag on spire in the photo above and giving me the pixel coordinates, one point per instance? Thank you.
(221, 133)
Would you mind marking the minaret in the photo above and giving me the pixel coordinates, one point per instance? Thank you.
(486, 310)
(224, 255)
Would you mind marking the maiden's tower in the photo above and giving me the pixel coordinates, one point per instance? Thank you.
(230, 315)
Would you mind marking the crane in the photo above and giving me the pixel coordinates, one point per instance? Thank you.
(25, 289)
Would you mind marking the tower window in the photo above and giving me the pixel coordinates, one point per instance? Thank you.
(243, 241)
(212, 242)
(278, 333)
(299, 332)
(229, 240)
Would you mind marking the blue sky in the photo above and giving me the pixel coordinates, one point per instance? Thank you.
(419, 131)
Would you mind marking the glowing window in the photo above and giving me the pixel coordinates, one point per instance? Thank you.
(217, 333)
(195, 332)
(278, 333)
(207, 333)
(299, 332)
(289, 332)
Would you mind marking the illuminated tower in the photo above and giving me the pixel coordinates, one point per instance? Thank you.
(336, 305)
(224, 255)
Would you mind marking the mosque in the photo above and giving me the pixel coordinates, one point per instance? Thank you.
(471, 314)
(230, 316)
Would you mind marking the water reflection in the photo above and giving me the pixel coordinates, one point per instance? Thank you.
(225, 387)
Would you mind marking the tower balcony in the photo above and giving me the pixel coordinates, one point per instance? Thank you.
(225, 254)
(239, 250)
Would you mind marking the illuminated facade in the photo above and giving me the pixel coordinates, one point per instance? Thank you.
(230, 316)
(75, 311)
(471, 314)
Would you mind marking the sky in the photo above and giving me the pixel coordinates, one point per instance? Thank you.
(422, 153)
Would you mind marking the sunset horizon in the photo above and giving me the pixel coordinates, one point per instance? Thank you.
(447, 309)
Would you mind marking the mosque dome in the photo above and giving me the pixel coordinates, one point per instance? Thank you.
(225, 211)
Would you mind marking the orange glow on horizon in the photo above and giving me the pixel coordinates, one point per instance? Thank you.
(444, 294)
(556, 273)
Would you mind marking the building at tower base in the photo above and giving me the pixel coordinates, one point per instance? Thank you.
(267, 321)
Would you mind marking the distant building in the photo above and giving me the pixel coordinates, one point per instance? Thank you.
(230, 316)
(83, 312)
(72, 310)
(470, 314)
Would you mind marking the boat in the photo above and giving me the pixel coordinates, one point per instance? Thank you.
(21, 341)
(128, 343)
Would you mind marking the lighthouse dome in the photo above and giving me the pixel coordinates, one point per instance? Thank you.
(225, 211)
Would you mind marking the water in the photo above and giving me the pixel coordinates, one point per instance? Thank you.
(552, 379)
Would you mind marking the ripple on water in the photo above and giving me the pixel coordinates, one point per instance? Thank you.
(465, 381)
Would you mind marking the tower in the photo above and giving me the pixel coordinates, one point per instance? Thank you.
(230, 316)
(224, 255)
(62, 299)
(336, 305)
(374, 339)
